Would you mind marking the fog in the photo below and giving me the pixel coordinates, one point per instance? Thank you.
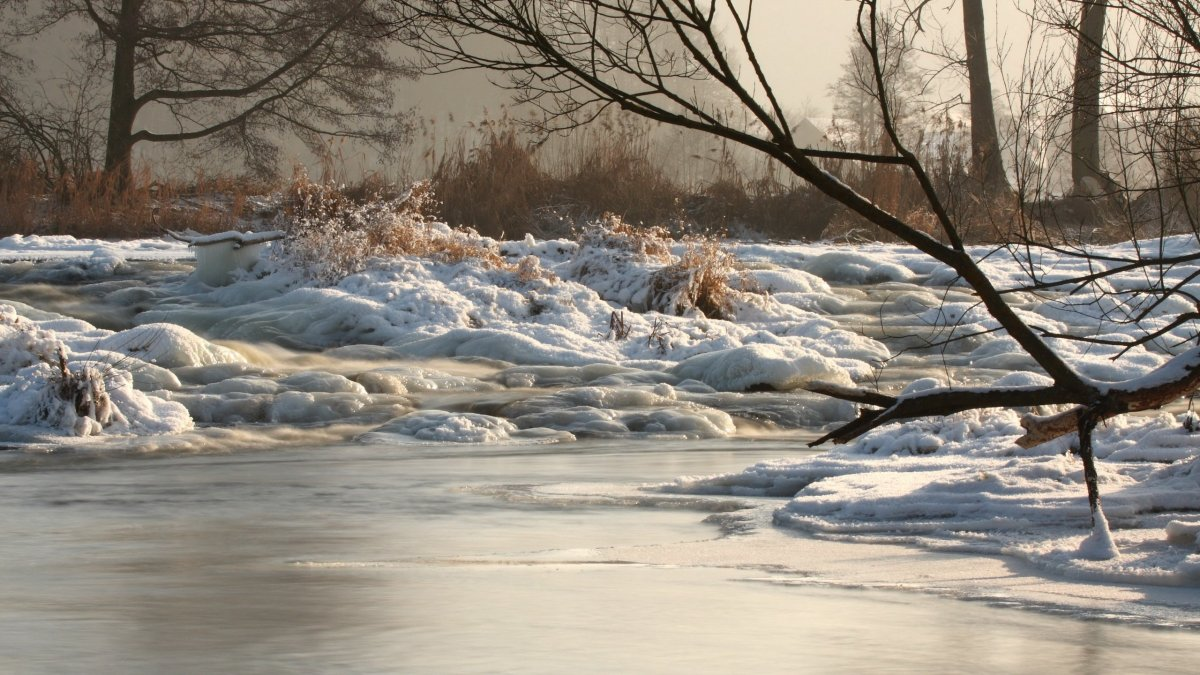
(801, 44)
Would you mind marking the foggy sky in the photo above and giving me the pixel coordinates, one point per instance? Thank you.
(802, 45)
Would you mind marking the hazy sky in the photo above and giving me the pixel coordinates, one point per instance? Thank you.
(802, 44)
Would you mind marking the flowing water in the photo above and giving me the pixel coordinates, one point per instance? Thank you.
(376, 559)
(266, 551)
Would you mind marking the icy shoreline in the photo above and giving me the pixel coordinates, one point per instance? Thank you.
(797, 557)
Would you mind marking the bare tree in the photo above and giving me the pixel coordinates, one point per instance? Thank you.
(858, 122)
(56, 130)
(575, 57)
(1150, 71)
(237, 72)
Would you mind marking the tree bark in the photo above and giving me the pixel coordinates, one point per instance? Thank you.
(118, 147)
(1086, 175)
(1087, 423)
(986, 162)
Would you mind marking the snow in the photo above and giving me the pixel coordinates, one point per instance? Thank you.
(58, 247)
(441, 427)
(167, 345)
(47, 382)
(413, 351)
(962, 484)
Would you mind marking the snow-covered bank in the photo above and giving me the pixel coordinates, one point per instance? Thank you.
(787, 558)
(961, 484)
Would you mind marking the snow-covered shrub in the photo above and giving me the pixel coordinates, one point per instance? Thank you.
(43, 384)
(636, 267)
(529, 270)
(42, 388)
(331, 236)
(641, 244)
(699, 279)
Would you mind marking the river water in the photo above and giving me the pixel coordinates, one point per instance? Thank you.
(296, 550)
(370, 559)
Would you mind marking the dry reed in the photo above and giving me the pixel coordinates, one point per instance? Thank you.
(92, 205)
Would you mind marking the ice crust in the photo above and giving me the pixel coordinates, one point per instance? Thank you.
(962, 484)
(412, 351)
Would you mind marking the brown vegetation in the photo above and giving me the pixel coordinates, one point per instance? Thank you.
(505, 183)
(699, 279)
(333, 232)
(91, 205)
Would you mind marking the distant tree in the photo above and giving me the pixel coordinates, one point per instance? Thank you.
(59, 137)
(1086, 175)
(236, 72)
(858, 122)
(986, 162)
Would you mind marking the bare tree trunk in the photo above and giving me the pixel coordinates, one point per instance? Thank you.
(1086, 175)
(1087, 423)
(986, 162)
(118, 148)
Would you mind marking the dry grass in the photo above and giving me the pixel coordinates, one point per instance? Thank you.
(17, 202)
(91, 205)
(501, 183)
(612, 233)
(699, 280)
(492, 187)
(333, 234)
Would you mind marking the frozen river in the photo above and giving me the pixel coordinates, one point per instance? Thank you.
(358, 559)
(437, 469)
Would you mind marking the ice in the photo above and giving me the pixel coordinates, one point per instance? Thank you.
(504, 345)
(146, 376)
(242, 385)
(315, 381)
(168, 346)
(302, 407)
(663, 423)
(961, 484)
(226, 408)
(442, 427)
(1099, 544)
(850, 267)
(761, 366)
(1183, 533)
(51, 247)
(414, 379)
(558, 376)
(216, 372)
(221, 257)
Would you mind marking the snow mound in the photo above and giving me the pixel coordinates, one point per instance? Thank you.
(850, 267)
(43, 385)
(758, 366)
(436, 427)
(168, 346)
